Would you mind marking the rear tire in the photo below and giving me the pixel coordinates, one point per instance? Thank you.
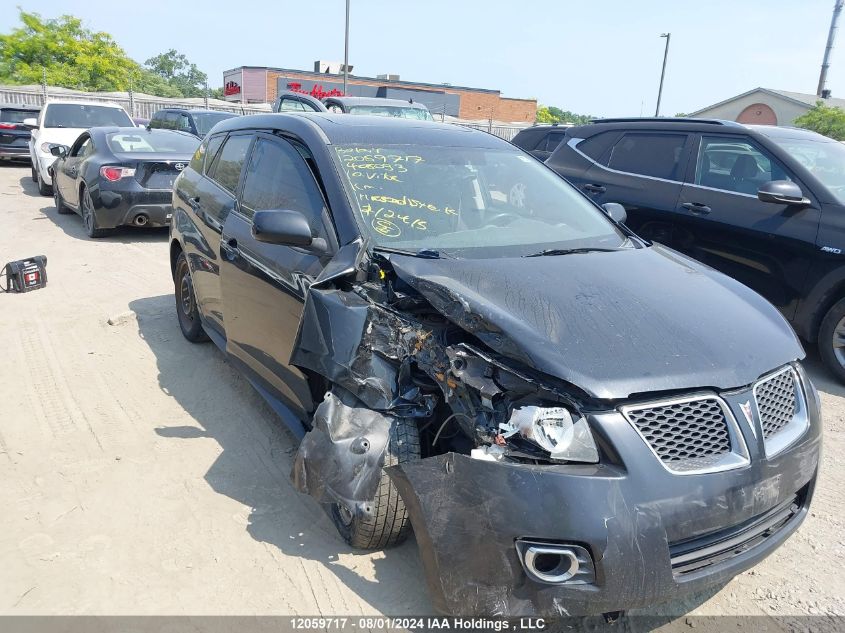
(43, 188)
(186, 303)
(388, 523)
(89, 216)
(831, 340)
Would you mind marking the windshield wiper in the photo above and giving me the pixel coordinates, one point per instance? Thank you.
(572, 251)
(425, 253)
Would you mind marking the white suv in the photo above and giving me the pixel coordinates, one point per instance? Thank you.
(61, 123)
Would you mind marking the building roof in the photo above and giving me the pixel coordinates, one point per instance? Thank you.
(796, 97)
(386, 82)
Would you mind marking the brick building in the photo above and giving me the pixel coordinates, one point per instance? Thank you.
(253, 84)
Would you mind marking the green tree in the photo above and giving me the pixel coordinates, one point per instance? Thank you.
(175, 69)
(824, 119)
(552, 114)
(72, 55)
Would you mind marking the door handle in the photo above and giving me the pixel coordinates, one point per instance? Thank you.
(697, 207)
(595, 188)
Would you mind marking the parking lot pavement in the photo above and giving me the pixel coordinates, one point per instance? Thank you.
(141, 474)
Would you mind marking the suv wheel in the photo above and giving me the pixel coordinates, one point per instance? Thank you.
(388, 523)
(34, 174)
(832, 340)
(43, 188)
(186, 303)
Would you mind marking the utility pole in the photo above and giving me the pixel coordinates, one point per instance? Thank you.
(668, 36)
(346, 50)
(831, 36)
(206, 94)
(43, 85)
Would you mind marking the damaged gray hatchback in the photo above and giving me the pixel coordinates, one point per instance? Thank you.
(572, 419)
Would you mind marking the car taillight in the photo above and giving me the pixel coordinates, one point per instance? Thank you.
(8, 126)
(114, 174)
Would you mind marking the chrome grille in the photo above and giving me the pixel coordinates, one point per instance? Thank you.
(776, 401)
(694, 429)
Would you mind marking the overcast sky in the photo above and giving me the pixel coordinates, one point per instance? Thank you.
(600, 57)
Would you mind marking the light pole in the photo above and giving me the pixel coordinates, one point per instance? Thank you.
(668, 36)
(346, 50)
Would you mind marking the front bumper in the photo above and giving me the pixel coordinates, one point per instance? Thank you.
(630, 514)
(115, 208)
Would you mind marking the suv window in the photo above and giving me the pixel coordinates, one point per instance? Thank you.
(278, 178)
(654, 155)
(595, 146)
(81, 115)
(212, 151)
(293, 105)
(226, 169)
(184, 123)
(734, 164)
(553, 140)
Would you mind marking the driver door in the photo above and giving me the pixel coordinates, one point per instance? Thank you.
(720, 221)
(68, 176)
(264, 285)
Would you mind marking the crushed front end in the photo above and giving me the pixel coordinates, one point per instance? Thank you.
(531, 494)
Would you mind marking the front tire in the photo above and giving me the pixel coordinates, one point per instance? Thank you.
(186, 303)
(43, 188)
(831, 340)
(59, 203)
(388, 523)
(34, 173)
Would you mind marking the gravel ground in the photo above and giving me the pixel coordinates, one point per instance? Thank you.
(140, 474)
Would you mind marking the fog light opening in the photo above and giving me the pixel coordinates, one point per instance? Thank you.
(551, 564)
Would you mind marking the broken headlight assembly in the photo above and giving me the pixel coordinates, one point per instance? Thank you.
(560, 434)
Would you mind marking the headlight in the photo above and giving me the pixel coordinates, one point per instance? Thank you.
(554, 430)
(45, 147)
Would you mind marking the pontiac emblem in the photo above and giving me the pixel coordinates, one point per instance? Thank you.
(746, 411)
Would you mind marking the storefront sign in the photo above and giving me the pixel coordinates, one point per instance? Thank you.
(231, 88)
(317, 91)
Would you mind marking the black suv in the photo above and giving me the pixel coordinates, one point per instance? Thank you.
(540, 140)
(573, 420)
(763, 204)
(194, 121)
(14, 135)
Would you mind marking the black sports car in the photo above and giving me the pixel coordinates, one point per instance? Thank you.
(115, 176)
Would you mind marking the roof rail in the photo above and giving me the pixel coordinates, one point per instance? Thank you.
(666, 120)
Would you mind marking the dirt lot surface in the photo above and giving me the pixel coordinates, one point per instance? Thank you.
(139, 474)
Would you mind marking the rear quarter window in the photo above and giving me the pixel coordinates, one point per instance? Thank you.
(648, 154)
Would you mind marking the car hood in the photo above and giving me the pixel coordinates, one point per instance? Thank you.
(59, 135)
(615, 323)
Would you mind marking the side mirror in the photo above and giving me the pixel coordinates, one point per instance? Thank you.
(59, 151)
(616, 212)
(282, 226)
(782, 192)
(30, 123)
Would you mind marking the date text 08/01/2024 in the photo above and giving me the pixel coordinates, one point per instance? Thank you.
(378, 623)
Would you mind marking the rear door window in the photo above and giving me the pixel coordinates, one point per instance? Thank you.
(655, 155)
(226, 169)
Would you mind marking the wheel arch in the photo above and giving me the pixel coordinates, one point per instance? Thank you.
(175, 251)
